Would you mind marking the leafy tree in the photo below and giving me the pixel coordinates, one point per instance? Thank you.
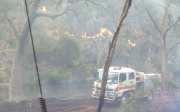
(162, 31)
(21, 34)
(15, 89)
(68, 52)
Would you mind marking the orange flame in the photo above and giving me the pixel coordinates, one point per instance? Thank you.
(132, 43)
(138, 33)
(70, 34)
(101, 33)
(170, 62)
(44, 9)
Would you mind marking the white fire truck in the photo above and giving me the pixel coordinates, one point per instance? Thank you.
(122, 82)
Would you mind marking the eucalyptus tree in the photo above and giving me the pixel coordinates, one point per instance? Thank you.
(36, 10)
(15, 88)
(7, 41)
(166, 25)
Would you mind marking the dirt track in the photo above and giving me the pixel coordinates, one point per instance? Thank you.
(55, 105)
(87, 104)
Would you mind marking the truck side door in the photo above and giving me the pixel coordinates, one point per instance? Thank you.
(122, 81)
(131, 83)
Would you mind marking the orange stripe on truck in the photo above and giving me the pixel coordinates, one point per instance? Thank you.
(127, 87)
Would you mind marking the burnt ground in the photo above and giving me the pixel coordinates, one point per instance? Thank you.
(55, 105)
(162, 103)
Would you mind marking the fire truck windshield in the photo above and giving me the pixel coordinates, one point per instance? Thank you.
(112, 78)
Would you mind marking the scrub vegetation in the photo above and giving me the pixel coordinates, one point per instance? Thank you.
(72, 38)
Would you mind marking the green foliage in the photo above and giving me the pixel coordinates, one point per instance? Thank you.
(68, 51)
(62, 53)
(176, 2)
(83, 68)
(29, 76)
(4, 73)
(3, 5)
(140, 66)
(121, 55)
(57, 75)
(51, 76)
(130, 105)
(58, 58)
(174, 68)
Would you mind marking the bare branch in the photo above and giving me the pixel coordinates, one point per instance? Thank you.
(155, 24)
(45, 33)
(136, 6)
(97, 5)
(77, 16)
(53, 16)
(48, 31)
(168, 28)
(172, 47)
(168, 15)
(54, 1)
(13, 28)
(58, 3)
(167, 4)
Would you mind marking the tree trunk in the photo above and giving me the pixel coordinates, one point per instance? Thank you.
(112, 46)
(164, 60)
(15, 87)
(162, 32)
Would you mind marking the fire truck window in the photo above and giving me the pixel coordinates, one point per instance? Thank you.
(131, 75)
(122, 77)
(137, 78)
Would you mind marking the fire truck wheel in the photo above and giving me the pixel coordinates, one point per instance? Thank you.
(123, 99)
(150, 96)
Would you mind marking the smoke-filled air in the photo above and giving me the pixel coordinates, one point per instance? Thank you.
(90, 55)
